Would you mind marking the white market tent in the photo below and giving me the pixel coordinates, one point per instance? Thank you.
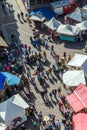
(76, 15)
(12, 108)
(74, 78)
(79, 60)
(82, 26)
(68, 30)
(53, 24)
(37, 18)
(85, 7)
(2, 126)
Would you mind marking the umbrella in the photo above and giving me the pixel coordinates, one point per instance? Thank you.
(11, 79)
(46, 118)
(2, 79)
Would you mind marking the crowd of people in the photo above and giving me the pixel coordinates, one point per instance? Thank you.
(31, 58)
(41, 74)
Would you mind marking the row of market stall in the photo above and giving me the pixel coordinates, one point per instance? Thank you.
(66, 31)
(78, 74)
(78, 101)
(76, 79)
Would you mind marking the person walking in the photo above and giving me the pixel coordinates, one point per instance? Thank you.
(58, 124)
(18, 16)
(52, 50)
(64, 55)
(50, 94)
(22, 15)
(40, 117)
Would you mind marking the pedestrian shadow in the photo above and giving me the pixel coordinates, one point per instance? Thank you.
(47, 63)
(46, 85)
(32, 97)
(51, 81)
(58, 77)
(54, 102)
(72, 45)
(24, 20)
(30, 123)
(48, 103)
(21, 21)
(55, 80)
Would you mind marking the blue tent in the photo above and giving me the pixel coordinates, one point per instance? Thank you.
(11, 79)
(44, 11)
(2, 79)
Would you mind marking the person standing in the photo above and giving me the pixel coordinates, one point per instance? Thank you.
(40, 117)
(50, 94)
(64, 55)
(52, 50)
(22, 15)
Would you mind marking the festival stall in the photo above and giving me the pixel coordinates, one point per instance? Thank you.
(73, 78)
(74, 17)
(4, 126)
(84, 12)
(52, 25)
(43, 13)
(80, 121)
(78, 99)
(79, 61)
(83, 28)
(68, 32)
(38, 18)
(12, 111)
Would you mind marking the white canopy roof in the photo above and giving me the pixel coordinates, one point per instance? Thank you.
(53, 24)
(82, 26)
(75, 16)
(12, 108)
(37, 18)
(2, 126)
(74, 78)
(79, 60)
(68, 30)
(19, 101)
(85, 7)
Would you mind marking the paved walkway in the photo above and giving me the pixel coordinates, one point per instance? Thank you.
(24, 31)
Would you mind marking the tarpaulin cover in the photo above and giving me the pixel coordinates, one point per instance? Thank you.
(2, 79)
(12, 108)
(53, 24)
(78, 99)
(80, 121)
(73, 78)
(11, 79)
(44, 11)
